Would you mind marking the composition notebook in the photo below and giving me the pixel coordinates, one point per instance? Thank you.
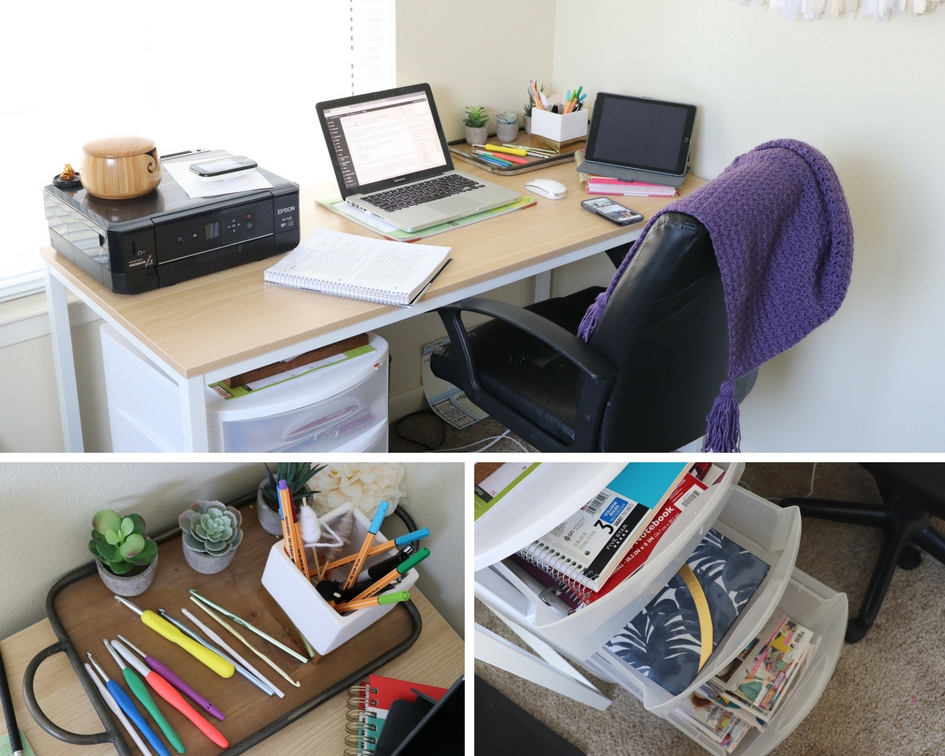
(369, 704)
(358, 267)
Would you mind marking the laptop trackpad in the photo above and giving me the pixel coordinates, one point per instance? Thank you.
(453, 205)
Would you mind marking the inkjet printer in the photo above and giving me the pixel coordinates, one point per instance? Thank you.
(166, 237)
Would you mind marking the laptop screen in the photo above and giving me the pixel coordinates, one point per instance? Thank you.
(383, 139)
(636, 132)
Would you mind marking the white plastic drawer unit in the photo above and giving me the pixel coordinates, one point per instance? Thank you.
(768, 531)
(339, 408)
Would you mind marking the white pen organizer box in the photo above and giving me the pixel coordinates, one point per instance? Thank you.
(317, 620)
(559, 128)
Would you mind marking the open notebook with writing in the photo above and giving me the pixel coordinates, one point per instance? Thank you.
(358, 267)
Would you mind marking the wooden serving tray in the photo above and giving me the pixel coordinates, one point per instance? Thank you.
(83, 611)
(565, 154)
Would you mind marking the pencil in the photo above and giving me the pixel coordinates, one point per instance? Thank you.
(384, 598)
(381, 548)
(366, 545)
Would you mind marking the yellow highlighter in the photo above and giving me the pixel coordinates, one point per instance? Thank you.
(162, 627)
(508, 150)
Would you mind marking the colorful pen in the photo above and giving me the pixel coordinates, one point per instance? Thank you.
(137, 686)
(168, 674)
(402, 569)
(166, 691)
(127, 706)
(379, 516)
(384, 598)
(505, 157)
(164, 628)
(380, 548)
(242, 671)
(116, 710)
(492, 161)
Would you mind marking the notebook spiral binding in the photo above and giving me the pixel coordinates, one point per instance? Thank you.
(564, 577)
(359, 740)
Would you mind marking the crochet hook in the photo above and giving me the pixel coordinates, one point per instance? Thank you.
(206, 644)
(137, 686)
(168, 674)
(112, 704)
(166, 691)
(162, 627)
(127, 706)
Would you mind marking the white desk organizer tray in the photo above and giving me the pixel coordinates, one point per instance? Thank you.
(314, 617)
(512, 592)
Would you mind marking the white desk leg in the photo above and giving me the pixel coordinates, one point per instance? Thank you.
(551, 671)
(60, 331)
(193, 408)
(542, 286)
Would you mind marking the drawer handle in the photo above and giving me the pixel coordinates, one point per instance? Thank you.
(32, 706)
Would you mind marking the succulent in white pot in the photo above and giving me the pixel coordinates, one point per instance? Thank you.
(210, 533)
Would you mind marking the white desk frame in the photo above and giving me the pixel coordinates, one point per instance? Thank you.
(193, 406)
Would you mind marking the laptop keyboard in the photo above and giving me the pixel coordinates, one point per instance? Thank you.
(422, 192)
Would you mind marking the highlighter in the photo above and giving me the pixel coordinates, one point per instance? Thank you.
(162, 627)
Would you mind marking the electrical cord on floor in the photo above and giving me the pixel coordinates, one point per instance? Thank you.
(428, 431)
(493, 439)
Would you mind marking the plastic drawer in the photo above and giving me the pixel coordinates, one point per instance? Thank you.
(771, 533)
(143, 400)
(825, 612)
(583, 632)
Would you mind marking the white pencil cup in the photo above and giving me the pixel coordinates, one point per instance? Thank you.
(314, 617)
(559, 128)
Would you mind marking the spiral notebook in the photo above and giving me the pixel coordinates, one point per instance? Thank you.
(358, 267)
(369, 704)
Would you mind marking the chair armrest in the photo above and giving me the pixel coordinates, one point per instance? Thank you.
(590, 362)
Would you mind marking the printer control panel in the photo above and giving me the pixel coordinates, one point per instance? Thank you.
(222, 228)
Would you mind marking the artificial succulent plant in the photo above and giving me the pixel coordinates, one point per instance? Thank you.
(295, 475)
(509, 117)
(476, 117)
(211, 527)
(120, 543)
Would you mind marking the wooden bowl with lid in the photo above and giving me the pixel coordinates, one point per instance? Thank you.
(120, 167)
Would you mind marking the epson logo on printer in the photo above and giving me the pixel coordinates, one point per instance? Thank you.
(281, 210)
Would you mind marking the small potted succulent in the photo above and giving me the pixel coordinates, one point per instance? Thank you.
(506, 127)
(125, 557)
(477, 125)
(211, 532)
(296, 475)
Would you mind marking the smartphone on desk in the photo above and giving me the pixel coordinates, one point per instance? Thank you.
(225, 167)
(613, 211)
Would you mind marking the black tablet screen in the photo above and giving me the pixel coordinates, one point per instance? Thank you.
(645, 134)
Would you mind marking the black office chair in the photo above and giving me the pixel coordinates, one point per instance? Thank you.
(911, 492)
(646, 380)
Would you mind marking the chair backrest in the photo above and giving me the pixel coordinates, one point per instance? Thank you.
(665, 329)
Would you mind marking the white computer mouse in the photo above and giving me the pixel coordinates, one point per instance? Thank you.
(547, 188)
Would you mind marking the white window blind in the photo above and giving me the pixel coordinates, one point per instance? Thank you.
(211, 74)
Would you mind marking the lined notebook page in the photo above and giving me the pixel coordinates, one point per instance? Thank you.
(358, 267)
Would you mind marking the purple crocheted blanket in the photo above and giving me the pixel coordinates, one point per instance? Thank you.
(782, 234)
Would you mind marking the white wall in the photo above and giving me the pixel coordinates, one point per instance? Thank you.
(869, 96)
(48, 507)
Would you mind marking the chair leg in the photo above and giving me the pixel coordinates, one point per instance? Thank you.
(901, 522)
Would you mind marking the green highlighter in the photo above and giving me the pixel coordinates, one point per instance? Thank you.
(141, 693)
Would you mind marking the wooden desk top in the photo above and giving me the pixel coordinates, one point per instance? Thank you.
(437, 658)
(224, 318)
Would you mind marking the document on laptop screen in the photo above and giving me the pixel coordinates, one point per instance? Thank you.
(384, 139)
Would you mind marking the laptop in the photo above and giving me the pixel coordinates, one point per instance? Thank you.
(639, 139)
(391, 160)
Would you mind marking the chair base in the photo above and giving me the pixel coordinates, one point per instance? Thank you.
(902, 523)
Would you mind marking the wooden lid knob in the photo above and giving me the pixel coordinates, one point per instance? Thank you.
(117, 147)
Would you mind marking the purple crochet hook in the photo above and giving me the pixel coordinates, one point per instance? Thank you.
(165, 672)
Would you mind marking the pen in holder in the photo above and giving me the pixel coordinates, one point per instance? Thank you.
(316, 620)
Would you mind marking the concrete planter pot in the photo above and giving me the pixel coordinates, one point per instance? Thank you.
(207, 564)
(505, 133)
(127, 585)
(478, 135)
(268, 517)
(528, 124)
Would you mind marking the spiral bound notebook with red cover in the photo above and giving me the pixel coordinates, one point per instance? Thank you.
(369, 704)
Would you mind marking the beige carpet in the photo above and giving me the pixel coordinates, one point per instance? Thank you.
(887, 694)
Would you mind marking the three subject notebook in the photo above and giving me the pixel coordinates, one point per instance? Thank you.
(358, 267)
(369, 704)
